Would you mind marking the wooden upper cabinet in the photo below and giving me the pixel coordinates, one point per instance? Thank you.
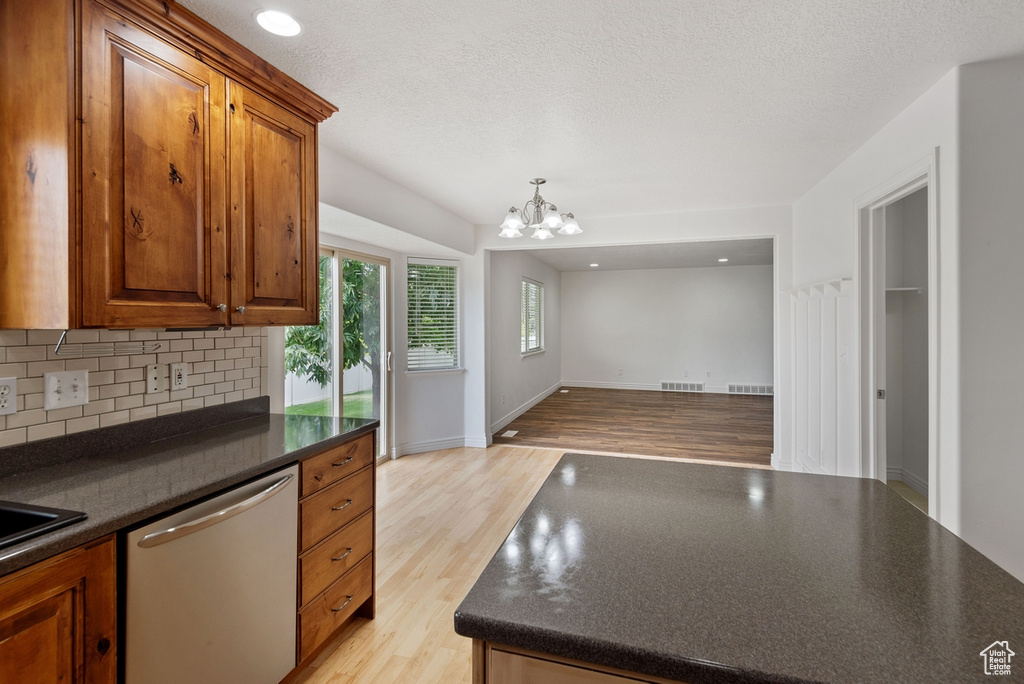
(160, 174)
(273, 213)
(153, 195)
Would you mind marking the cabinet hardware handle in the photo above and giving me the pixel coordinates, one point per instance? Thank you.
(183, 529)
(222, 307)
(344, 505)
(335, 610)
(346, 461)
(240, 309)
(342, 556)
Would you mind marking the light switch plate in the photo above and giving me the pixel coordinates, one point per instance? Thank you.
(8, 396)
(64, 389)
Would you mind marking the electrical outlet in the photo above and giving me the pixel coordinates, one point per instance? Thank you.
(8, 396)
(686, 374)
(64, 389)
(708, 374)
(620, 371)
(154, 378)
(179, 376)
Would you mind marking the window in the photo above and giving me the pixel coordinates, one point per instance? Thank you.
(532, 339)
(433, 288)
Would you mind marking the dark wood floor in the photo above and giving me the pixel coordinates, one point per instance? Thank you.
(719, 427)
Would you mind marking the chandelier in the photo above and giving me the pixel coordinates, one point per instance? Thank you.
(543, 218)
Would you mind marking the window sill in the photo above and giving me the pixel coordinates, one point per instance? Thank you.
(435, 371)
(535, 352)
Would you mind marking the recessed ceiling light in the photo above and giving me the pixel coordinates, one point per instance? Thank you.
(723, 260)
(278, 23)
(594, 265)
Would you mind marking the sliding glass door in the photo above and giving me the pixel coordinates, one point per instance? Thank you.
(340, 366)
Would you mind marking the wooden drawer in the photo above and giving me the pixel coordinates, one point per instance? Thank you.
(325, 614)
(332, 508)
(323, 469)
(335, 556)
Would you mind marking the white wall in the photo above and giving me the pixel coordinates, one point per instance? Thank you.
(635, 329)
(347, 185)
(973, 116)
(991, 315)
(518, 382)
(825, 239)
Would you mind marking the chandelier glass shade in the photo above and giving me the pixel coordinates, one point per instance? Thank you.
(541, 216)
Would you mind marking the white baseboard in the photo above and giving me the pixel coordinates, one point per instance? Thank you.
(779, 464)
(566, 384)
(913, 481)
(439, 445)
(508, 418)
(429, 445)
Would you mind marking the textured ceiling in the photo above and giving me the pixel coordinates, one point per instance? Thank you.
(755, 252)
(625, 106)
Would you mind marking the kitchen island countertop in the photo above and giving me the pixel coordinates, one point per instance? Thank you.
(704, 573)
(122, 486)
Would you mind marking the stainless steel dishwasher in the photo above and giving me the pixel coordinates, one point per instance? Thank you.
(211, 589)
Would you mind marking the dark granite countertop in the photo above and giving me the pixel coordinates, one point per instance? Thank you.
(713, 574)
(173, 465)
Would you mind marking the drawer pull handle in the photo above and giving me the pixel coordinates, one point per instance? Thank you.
(345, 462)
(344, 505)
(335, 610)
(342, 556)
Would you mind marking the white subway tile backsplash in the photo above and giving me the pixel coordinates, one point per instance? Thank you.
(143, 413)
(223, 366)
(113, 362)
(12, 437)
(82, 424)
(112, 391)
(45, 431)
(13, 338)
(115, 418)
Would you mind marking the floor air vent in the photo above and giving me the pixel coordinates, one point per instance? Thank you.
(682, 386)
(751, 389)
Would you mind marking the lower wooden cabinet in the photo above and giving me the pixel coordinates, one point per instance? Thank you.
(497, 664)
(336, 538)
(58, 619)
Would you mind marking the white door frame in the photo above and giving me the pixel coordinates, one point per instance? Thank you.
(870, 242)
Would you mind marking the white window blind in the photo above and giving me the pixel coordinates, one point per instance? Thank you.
(433, 323)
(533, 317)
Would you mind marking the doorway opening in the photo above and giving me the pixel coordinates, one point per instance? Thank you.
(340, 366)
(898, 246)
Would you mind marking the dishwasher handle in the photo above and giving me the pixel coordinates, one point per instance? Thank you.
(178, 531)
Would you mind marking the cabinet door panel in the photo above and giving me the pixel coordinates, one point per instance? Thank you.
(274, 214)
(37, 641)
(154, 187)
(58, 619)
(163, 187)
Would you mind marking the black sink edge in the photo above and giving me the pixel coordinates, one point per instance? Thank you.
(56, 519)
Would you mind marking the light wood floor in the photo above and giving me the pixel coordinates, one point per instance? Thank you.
(907, 492)
(719, 427)
(440, 518)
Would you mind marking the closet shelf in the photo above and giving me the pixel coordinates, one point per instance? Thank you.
(915, 290)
